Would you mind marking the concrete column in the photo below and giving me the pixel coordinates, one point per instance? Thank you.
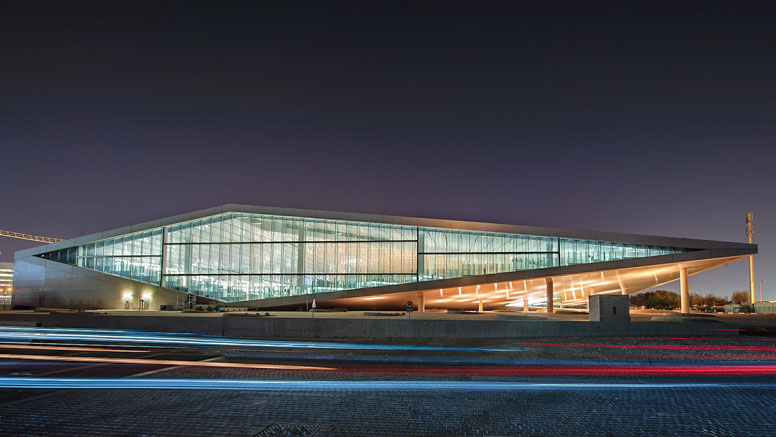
(525, 303)
(751, 277)
(550, 300)
(479, 307)
(421, 303)
(684, 284)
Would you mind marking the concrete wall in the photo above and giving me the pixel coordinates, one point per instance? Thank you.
(765, 307)
(276, 327)
(609, 308)
(64, 286)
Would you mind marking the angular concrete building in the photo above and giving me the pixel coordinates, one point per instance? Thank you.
(260, 257)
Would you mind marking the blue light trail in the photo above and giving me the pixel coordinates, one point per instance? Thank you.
(292, 385)
(16, 334)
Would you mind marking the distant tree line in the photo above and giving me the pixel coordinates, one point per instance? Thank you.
(668, 300)
(658, 300)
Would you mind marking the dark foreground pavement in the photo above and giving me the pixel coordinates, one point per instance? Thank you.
(723, 410)
(146, 385)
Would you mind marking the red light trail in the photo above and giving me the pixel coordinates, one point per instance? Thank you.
(658, 346)
(667, 370)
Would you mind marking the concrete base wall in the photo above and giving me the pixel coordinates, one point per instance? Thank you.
(43, 283)
(275, 327)
(609, 308)
(764, 307)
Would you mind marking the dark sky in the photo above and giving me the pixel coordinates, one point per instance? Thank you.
(640, 117)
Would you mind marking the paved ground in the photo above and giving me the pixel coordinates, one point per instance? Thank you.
(619, 411)
(171, 384)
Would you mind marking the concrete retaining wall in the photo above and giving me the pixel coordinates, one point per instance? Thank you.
(277, 327)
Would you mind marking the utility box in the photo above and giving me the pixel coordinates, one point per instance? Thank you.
(609, 308)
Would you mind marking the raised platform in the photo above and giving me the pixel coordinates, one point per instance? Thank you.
(357, 325)
(678, 317)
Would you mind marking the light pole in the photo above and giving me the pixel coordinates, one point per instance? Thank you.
(749, 233)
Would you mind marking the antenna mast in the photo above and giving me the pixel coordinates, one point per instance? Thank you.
(749, 233)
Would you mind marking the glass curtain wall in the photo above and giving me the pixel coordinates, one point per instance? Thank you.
(135, 256)
(236, 257)
(590, 251)
(451, 254)
(239, 257)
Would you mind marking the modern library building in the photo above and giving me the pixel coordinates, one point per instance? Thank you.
(281, 258)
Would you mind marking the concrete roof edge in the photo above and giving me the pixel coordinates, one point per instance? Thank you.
(463, 225)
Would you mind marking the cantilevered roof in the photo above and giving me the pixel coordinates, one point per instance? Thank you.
(650, 240)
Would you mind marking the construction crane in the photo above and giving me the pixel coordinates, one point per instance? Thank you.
(30, 237)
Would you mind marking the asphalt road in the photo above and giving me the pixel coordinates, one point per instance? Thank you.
(88, 382)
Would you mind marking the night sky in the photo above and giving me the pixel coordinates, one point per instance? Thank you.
(645, 117)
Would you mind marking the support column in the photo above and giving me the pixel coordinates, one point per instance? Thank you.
(751, 277)
(479, 307)
(684, 284)
(421, 303)
(525, 303)
(550, 299)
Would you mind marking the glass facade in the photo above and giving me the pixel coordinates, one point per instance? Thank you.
(135, 256)
(234, 257)
(238, 256)
(451, 254)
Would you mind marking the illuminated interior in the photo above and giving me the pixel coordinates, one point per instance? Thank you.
(570, 291)
(273, 258)
(240, 257)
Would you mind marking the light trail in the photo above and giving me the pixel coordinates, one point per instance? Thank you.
(693, 338)
(658, 346)
(581, 370)
(739, 330)
(70, 348)
(307, 385)
(159, 362)
(47, 334)
(124, 347)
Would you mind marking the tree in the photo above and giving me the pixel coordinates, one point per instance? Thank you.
(658, 299)
(712, 300)
(638, 300)
(740, 297)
